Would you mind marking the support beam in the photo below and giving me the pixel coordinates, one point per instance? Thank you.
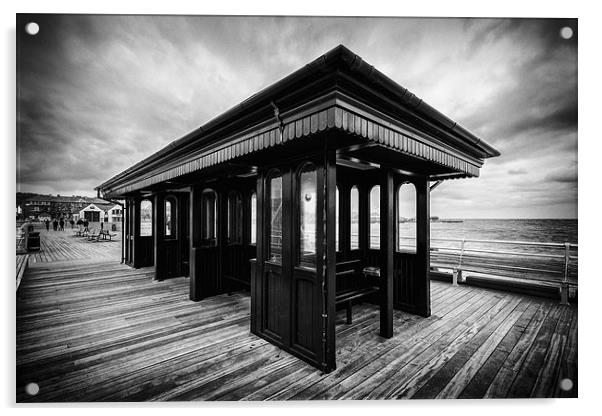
(195, 231)
(135, 236)
(387, 243)
(330, 182)
(257, 271)
(125, 235)
(422, 287)
(158, 227)
(436, 184)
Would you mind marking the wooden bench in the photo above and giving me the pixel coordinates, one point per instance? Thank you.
(362, 286)
(22, 263)
(524, 272)
(93, 235)
(104, 235)
(82, 233)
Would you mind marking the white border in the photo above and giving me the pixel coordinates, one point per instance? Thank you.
(590, 72)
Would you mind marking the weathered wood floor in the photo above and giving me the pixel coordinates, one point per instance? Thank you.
(64, 246)
(106, 332)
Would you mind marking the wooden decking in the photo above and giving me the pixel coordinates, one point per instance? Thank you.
(106, 332)
(64, 246)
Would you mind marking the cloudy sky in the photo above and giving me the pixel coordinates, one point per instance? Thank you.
(98, 93)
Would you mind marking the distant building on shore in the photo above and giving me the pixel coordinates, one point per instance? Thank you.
(41, 207)
(100, 212)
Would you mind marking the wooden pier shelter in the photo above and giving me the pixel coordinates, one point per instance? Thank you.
(294, 194)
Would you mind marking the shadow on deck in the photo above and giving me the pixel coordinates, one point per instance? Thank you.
(106, 332)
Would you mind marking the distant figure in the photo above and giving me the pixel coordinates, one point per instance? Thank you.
(47, 222)
(55, 224)
(101, 225)
(86, 223)
(80, 225)
(72, 223)
(62, 225)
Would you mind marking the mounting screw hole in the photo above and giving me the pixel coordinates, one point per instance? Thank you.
(32, 389)
(566, 384)
(32, 28)
(566, 32)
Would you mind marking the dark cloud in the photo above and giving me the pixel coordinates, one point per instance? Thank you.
(517, 172)
(97, 94)
(562, 177)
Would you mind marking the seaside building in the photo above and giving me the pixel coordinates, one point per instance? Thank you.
(294, 194)
(40, 207)
(101, 212)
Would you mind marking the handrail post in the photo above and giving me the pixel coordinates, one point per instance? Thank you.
(457, 276)
(564, 285)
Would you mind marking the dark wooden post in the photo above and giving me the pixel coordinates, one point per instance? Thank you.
(387, 239)
(257, 269)
(135, 236)
(364, 219)
(330, 260)
(158, 230)
(195, 231)
(422, 287)
(125, 235)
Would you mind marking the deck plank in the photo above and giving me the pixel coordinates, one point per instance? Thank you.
(100, 331)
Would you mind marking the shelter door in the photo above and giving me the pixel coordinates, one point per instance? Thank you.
(234, 253)
(207, 252)
(292, 298)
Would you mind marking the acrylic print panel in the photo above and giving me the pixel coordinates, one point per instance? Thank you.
(131, 110)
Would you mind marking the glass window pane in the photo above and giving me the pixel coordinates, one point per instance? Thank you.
(355, 218)
(234, 222)
(406, 202)
(254, 218)
(308, 181)
(275, 220)
(375, 217)
(208, 217)
(229, 222)
(167, 218)
(336, 234)
(146, 218)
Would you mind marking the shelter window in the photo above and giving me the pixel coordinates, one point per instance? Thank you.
(208, 216)
(307, 197)
(274, 220)
(406, 227)
(146, 218)
(253, 218)
(170, 205)
(375, 217)
(355, 219)
(234, 218)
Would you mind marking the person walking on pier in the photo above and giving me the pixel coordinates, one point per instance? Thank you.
(86, 223)
(47, 222)
(72, 223)
(55, 224)
(62, 225)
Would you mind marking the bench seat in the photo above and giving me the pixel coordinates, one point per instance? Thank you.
(354, 283)
(348, 297)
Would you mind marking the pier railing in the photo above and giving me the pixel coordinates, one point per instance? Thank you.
(551, 263)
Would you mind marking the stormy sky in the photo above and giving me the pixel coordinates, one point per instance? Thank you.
(97, 94)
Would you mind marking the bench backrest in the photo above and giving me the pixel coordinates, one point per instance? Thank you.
(349, 275)
(545, 266)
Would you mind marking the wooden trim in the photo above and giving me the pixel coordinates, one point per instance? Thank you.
(339, 115)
